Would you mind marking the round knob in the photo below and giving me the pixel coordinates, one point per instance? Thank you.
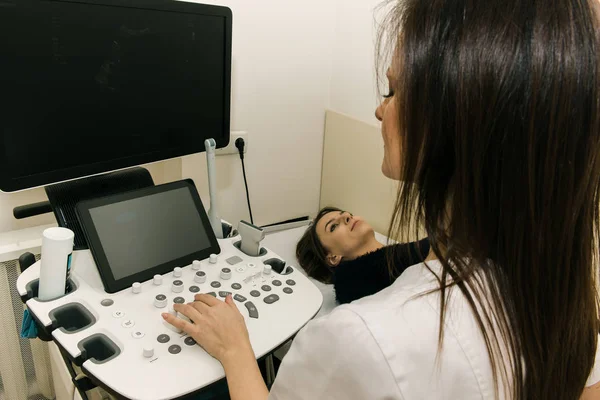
(267, 270)
(177, 286)
(225, 273)
(171, 327)
(213, 258)
(148, 351)
(157, 279)
(136, 287)
(200, 277)
(160, 301)
(196, 265)
(177, 272)
(180, 315)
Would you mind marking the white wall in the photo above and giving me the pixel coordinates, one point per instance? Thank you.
(282, 55)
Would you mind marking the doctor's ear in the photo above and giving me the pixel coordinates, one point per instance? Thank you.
(333, 260)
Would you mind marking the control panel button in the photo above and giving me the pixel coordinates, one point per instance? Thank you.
(177, 272)
(171, 327)
(118, 314)
(128, 323)
(213, 258)
(266, 288)
(276, 282)
(267, 269)
(174, 349)
(290, 282)
(241, 269)
(148, 351)
(224, 294)
(137, 334)
(194, 289)
(160, 301)
(252, 311)
(163, 338)
(234, 260)
(196, 265)
(157, 280)
(189, 341)
(255, 293)
(236, 286)
(178, 300)
(270, 299)
(183, 317)
(215, 284)
(288, 290)
(251, 265)
(107, 302)
(200, 277)
(213, 294)
(177, 286)
(225, 273)
(239, 298)
(136, 287)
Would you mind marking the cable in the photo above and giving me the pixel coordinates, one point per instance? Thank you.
(239, 143)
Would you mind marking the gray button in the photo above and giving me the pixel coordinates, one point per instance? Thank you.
(270, 299)
(194, 289)
(178, 300)
(226, 270)
(252, 311)
(215, 284)
(224, 294)
(288, 290)
(276, 282)
(174, 349)
(236, 286)
(107, 302)
(177, 283)
(200, 273)
(234, 260)
(290, 282)
(266, 288)
(213, 294)
(161, 297)
(255, 293)
(163, 338)
(239, 298)
(189, 341)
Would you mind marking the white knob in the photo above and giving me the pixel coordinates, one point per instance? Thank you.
(136, 287)
(177, 286)
(160, 301)
(171, 327)
(267, 270)
(180, 315)
(172, 311)
(177, 272)
(225, 273)
(200, 277)
(148, 351)
(157, 279)
(196, 265)
(213, 259)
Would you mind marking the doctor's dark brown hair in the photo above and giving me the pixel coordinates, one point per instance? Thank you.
(311, 254)
(500, 137)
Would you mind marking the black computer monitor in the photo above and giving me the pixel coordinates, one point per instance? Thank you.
(91, 86)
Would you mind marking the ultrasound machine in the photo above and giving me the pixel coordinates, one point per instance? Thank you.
(98, 88)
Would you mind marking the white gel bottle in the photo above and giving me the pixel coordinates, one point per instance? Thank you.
(57, 248)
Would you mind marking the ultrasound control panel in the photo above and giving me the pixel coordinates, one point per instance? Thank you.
(122, 342)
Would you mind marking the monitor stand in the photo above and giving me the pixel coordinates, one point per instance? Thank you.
(63, 197)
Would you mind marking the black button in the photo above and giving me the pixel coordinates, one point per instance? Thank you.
(174, 349)
(200, 273)
(215, 284)
(239, 298)
(236, 286)
(226, 270)
(288, 290)
(107, 302)
(177, 283)
(194, 289)
(276, 282)
(163, 338)
(266, 288)
(224, 294)
(161, 297)
(255, 293)
(290, 282)
(270, 299)
(178, 300)
(213, 294)
(189, 341)
(252, 311)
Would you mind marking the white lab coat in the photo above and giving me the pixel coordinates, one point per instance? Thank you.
(385, 347)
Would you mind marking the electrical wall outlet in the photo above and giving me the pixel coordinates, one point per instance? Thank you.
(230, 148)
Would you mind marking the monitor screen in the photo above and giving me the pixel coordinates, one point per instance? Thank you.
(149, 231)
(90, 86)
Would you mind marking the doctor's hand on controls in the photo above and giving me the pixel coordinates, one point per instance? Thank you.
(492, 126)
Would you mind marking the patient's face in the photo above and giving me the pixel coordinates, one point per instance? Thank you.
(387, 113)
(344, 234)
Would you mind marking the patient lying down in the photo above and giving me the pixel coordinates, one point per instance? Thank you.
(341, 248)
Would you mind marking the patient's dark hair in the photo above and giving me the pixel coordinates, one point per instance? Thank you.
(311, 254)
